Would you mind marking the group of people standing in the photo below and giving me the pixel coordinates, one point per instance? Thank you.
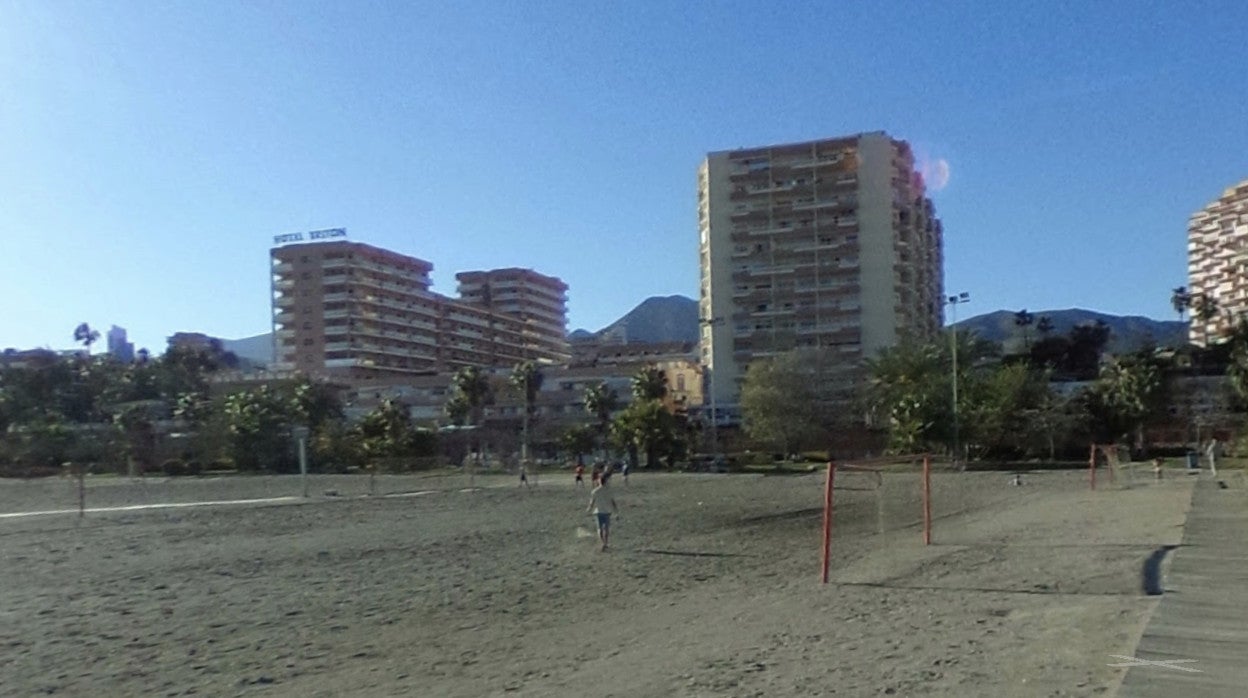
(602, 502)
(600, 474)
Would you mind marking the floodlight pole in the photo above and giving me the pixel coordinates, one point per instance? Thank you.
(953, 302)
(301, 438)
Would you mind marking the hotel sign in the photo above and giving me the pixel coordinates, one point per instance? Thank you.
(327, 234)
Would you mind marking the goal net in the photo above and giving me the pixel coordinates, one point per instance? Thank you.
(1110, 466)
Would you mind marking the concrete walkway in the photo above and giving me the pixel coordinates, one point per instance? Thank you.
(1204, 613)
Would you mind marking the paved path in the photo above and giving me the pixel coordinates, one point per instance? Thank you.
(1204, 613)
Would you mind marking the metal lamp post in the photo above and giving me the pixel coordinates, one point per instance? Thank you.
(301, 438)
(953, 302)
(712, 322)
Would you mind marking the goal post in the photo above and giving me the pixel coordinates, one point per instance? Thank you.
(874, 470)
(1112, 456)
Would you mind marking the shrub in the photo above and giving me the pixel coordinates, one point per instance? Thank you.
(173, 467)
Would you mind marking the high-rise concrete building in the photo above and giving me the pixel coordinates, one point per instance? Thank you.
(539, 301)
(351, 311)
(1217, 254)
(118, 346)
(829, 244)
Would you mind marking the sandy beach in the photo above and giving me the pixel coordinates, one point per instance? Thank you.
(711, 587)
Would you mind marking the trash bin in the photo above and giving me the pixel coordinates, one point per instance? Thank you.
(1193, 460)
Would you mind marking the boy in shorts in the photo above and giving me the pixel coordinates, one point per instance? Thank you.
(602, 504)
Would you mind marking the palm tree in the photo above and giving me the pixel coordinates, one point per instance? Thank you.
(473, 386)
(85, 335)
(1044, 325)
(600, 401)
(1237, 371)
(650, 383)
(472, 390)
(1205, 307)
(1024, 320)
(1180, 300)
(527, 378)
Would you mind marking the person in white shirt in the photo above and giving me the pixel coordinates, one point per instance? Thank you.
(1213, 450)
(602, 504)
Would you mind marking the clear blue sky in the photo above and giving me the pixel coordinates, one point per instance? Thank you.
(150, 150)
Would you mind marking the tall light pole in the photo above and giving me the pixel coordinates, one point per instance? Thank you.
(711, 323)
(953, 302)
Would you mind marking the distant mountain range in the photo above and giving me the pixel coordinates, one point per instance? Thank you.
(656, 319)
(257, 349)
(1126, 333)
(675, 319)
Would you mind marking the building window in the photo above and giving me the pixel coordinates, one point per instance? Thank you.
(680, 381)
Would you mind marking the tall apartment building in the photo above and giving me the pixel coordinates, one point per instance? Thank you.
(828, 244)
(118, 346)
(539, 301)
(1217, 253)
(351, 311)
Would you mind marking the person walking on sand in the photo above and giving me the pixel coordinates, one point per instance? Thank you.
(1213, 451)
(524, 476)
(1157, 468)
(596, 475)
(602, 505)
(580, 475)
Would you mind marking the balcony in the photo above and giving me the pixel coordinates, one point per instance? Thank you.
(341, 363)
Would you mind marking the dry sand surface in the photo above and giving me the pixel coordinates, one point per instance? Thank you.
(711, 588)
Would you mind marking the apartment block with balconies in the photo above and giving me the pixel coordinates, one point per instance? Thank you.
(1217, 261)
(538, 301)
(348, 310)
(830, 245)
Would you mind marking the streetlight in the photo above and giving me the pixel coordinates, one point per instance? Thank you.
(953, 302)
(712, 322)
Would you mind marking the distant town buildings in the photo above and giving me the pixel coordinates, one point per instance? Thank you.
(560, 402)
(1217, 253)
(829, 244)
(118, 347)
(194, 340)
(349, 311)
(29, 358)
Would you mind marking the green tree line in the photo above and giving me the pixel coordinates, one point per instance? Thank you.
(1007, 406)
